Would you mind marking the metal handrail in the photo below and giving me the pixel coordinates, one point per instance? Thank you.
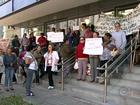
(67, 60)
(132, 48)
(118, 59)
(62, 69)
(112, 58)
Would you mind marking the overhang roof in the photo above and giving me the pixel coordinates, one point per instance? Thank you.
(45, 8)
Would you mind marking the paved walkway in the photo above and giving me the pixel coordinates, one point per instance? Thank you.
(43, 96)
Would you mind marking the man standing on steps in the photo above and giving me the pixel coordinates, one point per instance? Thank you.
(119, 38)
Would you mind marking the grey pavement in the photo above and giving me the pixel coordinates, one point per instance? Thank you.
(43, 96)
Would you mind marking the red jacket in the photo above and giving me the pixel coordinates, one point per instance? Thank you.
(79, 51)
(42, 41)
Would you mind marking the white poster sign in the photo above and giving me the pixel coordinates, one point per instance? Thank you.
(93, 46)
(50, 35)
(76, 28)
(55, 37)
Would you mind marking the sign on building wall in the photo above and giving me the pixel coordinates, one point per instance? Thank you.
(130, 23)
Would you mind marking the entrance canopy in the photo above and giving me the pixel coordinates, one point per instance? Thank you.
(46, 8)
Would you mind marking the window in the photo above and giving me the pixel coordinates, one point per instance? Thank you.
(3, 1)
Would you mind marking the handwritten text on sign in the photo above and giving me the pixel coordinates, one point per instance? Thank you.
(93, 46)
(55, 37)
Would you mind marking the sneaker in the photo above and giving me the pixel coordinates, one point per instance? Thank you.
(51, 87)
(12, 88)
(30, 94)
(7, 90)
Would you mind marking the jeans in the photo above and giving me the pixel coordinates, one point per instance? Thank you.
(1, 77)
(94, 62)
(29, 80)
(37, 76)
(9, 71)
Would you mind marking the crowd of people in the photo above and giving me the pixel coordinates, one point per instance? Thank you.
(43, 58)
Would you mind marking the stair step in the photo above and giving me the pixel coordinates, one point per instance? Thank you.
(86, 84)
(97, 96)
(125, 83)
(112, 89)
(132, 76)
(136, 69)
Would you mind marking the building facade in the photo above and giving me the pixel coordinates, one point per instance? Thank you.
(42, 15)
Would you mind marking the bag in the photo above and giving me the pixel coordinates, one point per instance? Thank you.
(15, 66)
(76, 65)
(27, 62)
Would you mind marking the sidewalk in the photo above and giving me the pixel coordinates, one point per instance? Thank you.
(43, 96)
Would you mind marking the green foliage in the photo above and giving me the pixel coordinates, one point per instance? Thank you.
(13, 100)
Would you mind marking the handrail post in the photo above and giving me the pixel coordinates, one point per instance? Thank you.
(135, 47)
(131, 57)
(62, 75)
(105, 85)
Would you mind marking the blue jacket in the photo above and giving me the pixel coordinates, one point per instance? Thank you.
(9, 61)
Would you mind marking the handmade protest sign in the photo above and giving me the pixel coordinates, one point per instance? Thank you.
(93, 46)
(55, 37)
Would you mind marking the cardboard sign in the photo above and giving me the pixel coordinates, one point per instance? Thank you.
(55, 37)
(76, 28)
(93, 46)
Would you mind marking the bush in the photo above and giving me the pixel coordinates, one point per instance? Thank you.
(13, 100)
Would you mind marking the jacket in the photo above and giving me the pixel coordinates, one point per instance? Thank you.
(79, 51)
(55, 59)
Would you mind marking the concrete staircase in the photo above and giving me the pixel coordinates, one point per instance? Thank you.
(124, 91)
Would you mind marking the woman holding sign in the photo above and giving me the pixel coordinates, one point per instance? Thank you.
(94, 62)
(82, 60)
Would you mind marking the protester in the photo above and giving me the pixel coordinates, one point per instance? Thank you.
(21, 62)
(51, 60)
(92, 28)
(1, 65)
(108, 46)
(25, 41)
(9, 61)
(65, 52)
(42, 40)
(119, 37)
(87, 33)
(38, 54)
(82, 60)
(69, 36)
(120, 41)
(15, 67)
(76, 38)
(32, 66)
(94, 62)
(32, 40)
(16, 44)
